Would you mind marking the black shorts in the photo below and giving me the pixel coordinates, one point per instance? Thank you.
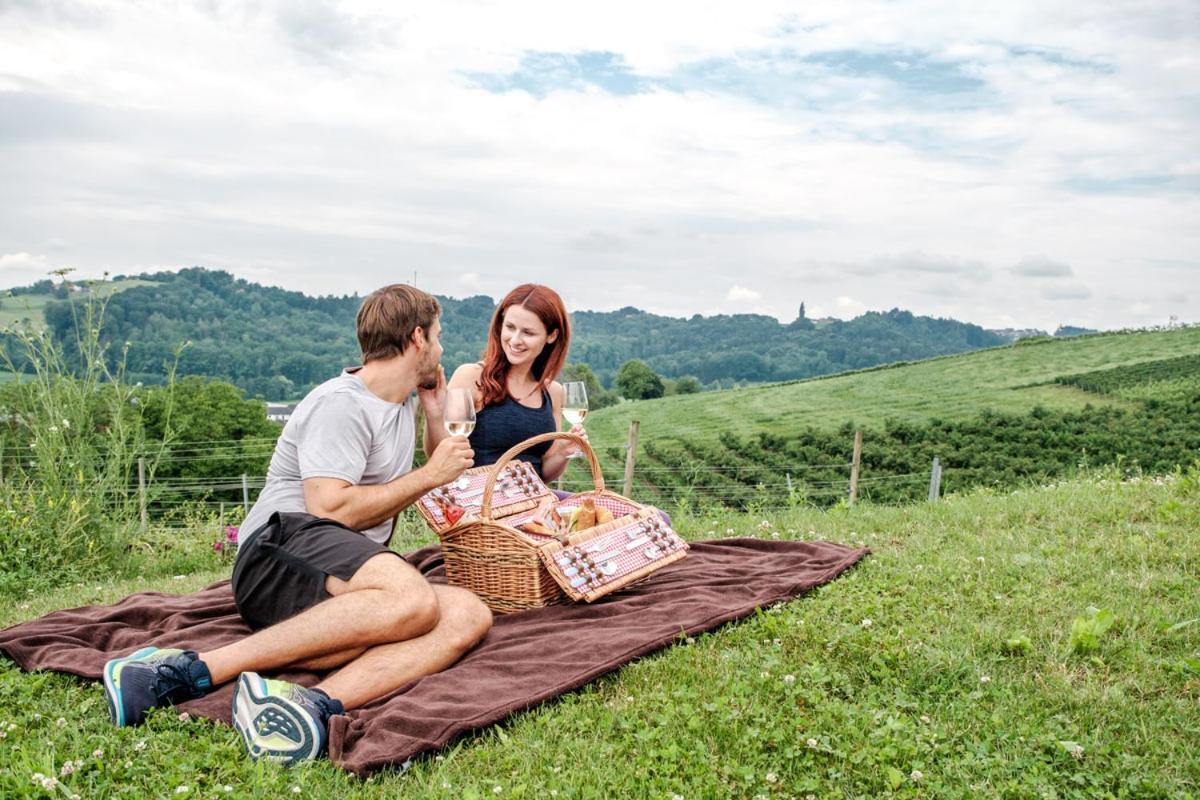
(281, 569)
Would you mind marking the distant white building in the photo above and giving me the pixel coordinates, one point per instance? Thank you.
(280, 412)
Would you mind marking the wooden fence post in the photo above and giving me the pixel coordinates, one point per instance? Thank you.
(630, 455)
(855, 463)
(245, 494)
(142, 491)
(935, 481)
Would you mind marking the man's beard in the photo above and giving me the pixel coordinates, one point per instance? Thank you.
(428, 379)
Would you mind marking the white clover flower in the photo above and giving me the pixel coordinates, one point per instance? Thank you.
(227, 789)
(771, 777)
(140, 746)
(445, 784)
(67, 769)
(812, 743)
(925, 718)
(295, 790)
(184, 789)
(1076, 751)
(728, 531)
(866, 623)
(53, 429)
(985, 679)
(61, 722)
(184, 716)
(916, 776)
(789, 678)
(497, 790)
(97, 753)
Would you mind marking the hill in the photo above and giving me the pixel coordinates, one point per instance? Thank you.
(277, 344)
(1027, 411)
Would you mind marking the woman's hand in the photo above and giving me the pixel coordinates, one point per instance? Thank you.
(573, 449)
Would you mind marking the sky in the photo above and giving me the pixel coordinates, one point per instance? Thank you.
(1019, 164)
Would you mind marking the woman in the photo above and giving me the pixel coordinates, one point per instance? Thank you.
(516, 394)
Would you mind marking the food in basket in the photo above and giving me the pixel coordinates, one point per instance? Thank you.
(589, 515)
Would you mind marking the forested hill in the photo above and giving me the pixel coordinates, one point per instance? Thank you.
(277, 344)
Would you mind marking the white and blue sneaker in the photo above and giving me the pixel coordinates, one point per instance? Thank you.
(151, 678)
(281, 721)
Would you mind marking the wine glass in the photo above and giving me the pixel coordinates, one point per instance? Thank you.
(575, 405)
(460, 412)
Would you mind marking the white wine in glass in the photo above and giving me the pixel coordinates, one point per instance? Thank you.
(460, 412)
(575, 405)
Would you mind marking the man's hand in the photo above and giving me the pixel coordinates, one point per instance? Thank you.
(452, 456)
(433, 399)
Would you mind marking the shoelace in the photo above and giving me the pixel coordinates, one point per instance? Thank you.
(171, 679)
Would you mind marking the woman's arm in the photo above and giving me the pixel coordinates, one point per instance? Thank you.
(465, 377)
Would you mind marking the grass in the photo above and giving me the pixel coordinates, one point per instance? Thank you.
(900, 679)
(1012, 379)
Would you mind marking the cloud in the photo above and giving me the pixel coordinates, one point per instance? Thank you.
(1041, 267)
(595, 241)
(740, 294)
(470, 281)
(1066, 291)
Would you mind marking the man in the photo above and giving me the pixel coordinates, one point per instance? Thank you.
(312, 576)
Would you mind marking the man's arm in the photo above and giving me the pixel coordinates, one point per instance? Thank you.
(362, 507)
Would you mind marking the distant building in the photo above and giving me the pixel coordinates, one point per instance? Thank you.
(1012, 334)
(280, 412)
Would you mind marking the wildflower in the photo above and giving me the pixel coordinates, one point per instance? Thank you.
(128, 765)
(227, 789)
(789, 678)
(764, 674)
(866, 623)
(218, 546)
(184, 789)
(140, 746)
(676, 797)
(54, 429)
(49, 784)
(497, 790)
(295, 790)
(985, 679)
(66, 424)
(231, 534)
(771, 777)
(765, 525)
(776, 642)
(61, 722)
(439, 757)
(812, 743)
(916, 776)
(728, 531)
(445, 784)
(184, 716)
(925, 718)
(97, 753)
(67, 769)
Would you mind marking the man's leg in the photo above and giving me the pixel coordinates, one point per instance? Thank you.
(462, 622)
(386, 600)
(288, 723)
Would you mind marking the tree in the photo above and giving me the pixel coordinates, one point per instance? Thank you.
(636, 381)
(687, 385)
(597, 396)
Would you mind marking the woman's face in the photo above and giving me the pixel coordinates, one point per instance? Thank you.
(523, 336)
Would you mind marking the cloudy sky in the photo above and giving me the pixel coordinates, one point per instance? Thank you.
(1033, 165)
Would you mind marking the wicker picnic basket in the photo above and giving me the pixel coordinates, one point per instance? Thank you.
(512, 570)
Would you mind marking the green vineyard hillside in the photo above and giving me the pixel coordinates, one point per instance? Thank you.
(996, 417)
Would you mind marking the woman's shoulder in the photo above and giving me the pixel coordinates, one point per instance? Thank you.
(556, 392)
(468, 372)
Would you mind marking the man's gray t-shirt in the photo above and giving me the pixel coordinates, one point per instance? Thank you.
(339, 430)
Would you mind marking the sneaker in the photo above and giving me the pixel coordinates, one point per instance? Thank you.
(281, 721)
(150, 678)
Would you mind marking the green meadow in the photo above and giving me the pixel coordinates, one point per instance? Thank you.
(960, 659)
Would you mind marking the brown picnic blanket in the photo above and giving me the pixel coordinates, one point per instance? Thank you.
(527, 658)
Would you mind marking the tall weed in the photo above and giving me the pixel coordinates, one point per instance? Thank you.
(71, 440)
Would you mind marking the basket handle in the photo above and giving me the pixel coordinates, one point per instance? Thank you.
(485, 510)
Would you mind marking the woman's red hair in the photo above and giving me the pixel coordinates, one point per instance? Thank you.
(548, 306)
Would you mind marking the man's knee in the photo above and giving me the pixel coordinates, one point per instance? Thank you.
(465, 617)
(410, 605)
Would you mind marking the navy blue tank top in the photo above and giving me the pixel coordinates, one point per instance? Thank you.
(502, 425)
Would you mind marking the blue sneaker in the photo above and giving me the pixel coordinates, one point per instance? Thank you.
(281, 721)
(151, 678)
